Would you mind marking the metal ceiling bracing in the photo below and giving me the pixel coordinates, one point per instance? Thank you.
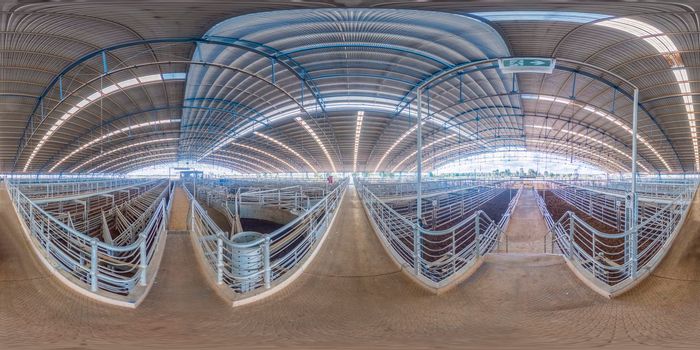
(332, 62)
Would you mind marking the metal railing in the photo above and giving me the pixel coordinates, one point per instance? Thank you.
(111, 270)
(505, 219)
(290, 198)
(86, 212)
(609, 206)
(228, 200)
(250, 261)
(52, 189)
(436, 257)
(403, 188)
(615, 260)
(130, 218)
(654, 190)
(447, 209)
(311, 187)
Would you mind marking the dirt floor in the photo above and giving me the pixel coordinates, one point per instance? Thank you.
(557, 207)
(354, 296)
(612, 248)
(527, 229)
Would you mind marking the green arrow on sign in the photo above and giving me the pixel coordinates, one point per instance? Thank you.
(526, 64)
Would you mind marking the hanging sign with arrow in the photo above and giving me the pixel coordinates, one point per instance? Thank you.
(527, 65)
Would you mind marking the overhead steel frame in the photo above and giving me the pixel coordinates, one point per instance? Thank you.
(521, 138)
(406, 102)
(157, 63)
(298, 103)
(263, 50)
(631, 197)
(257, 118)
(478, 118)
(473, 150)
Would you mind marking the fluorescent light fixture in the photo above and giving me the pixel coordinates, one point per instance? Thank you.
(546, 16)
(267, 154)
(603, 114)
(97, 95)
(358, 129)
(317, 139)
(424, 147)
(255, 161)
(121, 149)
(663, 44)
(391, 148)
(269, 138)
(140, 154)
(140, 160)
(110, 134)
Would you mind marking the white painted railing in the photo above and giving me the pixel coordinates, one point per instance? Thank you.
(249, 261)
(613, 261)
(438, 257)
(108, 270)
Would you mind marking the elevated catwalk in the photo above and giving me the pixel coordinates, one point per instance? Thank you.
(354, 296)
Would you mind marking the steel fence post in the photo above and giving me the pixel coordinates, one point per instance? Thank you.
(143, 260)
(266, 263)
(635, 204)
(93, 265)
(219, 260)
(477, 232)
(571, 235)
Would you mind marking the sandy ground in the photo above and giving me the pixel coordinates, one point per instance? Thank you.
(527, 228)
(353, 296)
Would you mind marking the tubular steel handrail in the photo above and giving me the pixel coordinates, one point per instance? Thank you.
(505, 219)
(441, 255)
(290, 198)
(110, 270)
(657, 188)
(45, 190)
(294, 195)
(608, 259)
(250, 261)
(402, 188)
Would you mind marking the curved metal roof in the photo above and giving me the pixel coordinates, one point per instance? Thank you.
(111, 88)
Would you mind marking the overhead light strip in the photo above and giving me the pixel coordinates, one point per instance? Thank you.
(317, 139)
(142, 80)
(424, 147)
(269, 165)
(132, 161)
(121, 149)
(108, 135)
(269, 138)
(358, 130)
(601, 113)
(255, 167)
(398, 141)
(132, 154)
(460, 147)
(663, 44)
(267, 154)
(362, 103)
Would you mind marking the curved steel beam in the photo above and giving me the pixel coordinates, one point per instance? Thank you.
(287, 62)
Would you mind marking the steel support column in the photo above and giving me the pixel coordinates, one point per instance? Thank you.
(419, 189)
(634, 211)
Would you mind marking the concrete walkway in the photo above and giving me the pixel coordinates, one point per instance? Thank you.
(179, 211)
(351, 296)
(527, 228)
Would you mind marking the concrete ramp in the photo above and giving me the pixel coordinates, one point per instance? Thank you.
(682, 262)
(527, 228)
(353, 296)
(179, 211)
